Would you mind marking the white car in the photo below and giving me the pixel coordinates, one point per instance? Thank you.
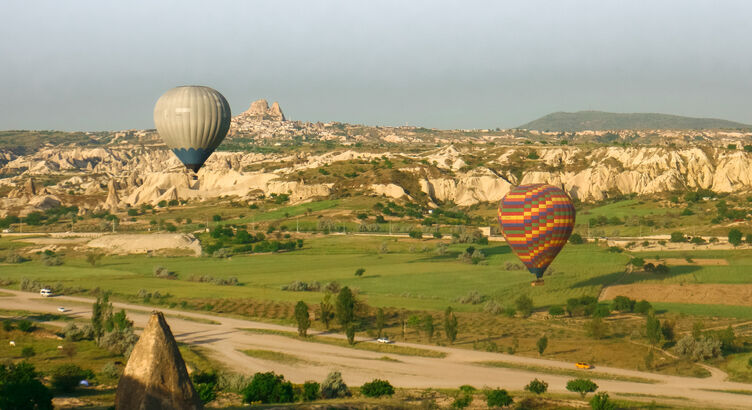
(383, 340)
(61, 309)
(45, 292)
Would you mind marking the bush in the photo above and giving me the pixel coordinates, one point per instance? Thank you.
(735, 237)
(498, 398)
(524, 305)
(66, 377)
(643, 307)
(164, 273)
(359, 272)
(582, 386)
(51, 259)
(73, 333)
(25, 326)
(110, 370)
(27, 352)
(493, 307)
(205, 384)
(473, 297)
(310, 391)
(623, 304)
(576, 239)
(21, 388)
(377, 388)
(705, 347)
(333, 386)
(7, 325)
(678, 237)
(601, 402)
(462, 401)
(416, 234)
(556, 311)
(537, 386)
(268, 388)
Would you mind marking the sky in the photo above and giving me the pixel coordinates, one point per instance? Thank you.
(101, 65)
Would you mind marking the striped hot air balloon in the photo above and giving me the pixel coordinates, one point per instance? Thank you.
(192, 121)
(536, 221)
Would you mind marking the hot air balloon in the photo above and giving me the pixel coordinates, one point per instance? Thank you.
(536, 221)
(192, 121)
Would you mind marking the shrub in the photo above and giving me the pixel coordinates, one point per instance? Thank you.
(51, 259)
(705, 347)
(416, 234)
(596, 328)
(21, 388)
(493, 307)
(377, 388)
(310, 391)
(66, 377)
(27, 352)
(556, 311)
(642, 307)
(333, 386)
(576, 239)
(582, 386)
(110, 370)
(7, 325)
(498, 398)
(268, 388)
(637, 262)
(15, 258)
(537, 386)
(205, 384)
(678, 237)
(359, 272)
(164, 273)
(623, 304)
(25, 326)
(601, 402)
(735, 237)
(473, 297)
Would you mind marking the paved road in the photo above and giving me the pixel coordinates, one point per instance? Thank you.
(457, 368)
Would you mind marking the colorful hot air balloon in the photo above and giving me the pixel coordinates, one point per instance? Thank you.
(192, 121)
(536, 221)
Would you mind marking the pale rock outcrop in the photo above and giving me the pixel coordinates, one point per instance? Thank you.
(388, 190)
(479, 185)
(155, 377)
(112, 202)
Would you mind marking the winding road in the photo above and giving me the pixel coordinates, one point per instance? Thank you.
(460, 366)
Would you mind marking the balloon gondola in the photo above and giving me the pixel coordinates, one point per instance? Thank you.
(192, 121)
(536, 221)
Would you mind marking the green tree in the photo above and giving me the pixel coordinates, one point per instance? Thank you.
(537, 386)
(93, 258)
(576, 239)
(735, 237)
(450, 324)
(101, 312)
(27, 352)
(542, 344)
(524, 305)
(596, 328)
(498, 398)
(601, 402)
(377, 388)
(66, 377)
(428, 326)
(653, 328)
(380, 321)
(345, 307)
(206, 385)
(582, 386)
(334, 387)
(359, 272)
(327, 310)
(21, 388)
(268, 388)
(678, 237)
(310, 391)
(302, 317)
(350, 333)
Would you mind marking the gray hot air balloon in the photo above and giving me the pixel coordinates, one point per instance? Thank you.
(192, 120)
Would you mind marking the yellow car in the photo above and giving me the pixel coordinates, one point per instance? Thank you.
(583, 365)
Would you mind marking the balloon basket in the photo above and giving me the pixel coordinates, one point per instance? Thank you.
(538, 282)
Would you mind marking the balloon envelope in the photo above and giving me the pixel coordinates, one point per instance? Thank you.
(192, 121)
(536, 221)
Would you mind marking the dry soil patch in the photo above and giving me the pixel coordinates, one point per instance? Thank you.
(684, 262)
(706, 294)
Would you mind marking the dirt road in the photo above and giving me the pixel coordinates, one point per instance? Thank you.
(459, 366)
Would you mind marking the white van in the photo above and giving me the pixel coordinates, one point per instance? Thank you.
(45, 292)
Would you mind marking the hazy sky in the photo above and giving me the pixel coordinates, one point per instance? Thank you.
(94, 65)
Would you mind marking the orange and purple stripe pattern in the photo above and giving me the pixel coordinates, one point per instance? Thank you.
(536, 221)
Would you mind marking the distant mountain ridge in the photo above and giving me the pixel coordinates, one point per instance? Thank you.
(600, 121)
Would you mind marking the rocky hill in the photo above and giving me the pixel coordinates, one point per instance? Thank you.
(599, 121)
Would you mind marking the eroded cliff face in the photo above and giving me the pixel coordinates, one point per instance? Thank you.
(116, 177)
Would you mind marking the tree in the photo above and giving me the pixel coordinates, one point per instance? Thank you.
(428, 325)
(326, 310)
(268, 388)
(576, 239)
(653, 328)
(302, 317)
(623, 304)
(27, 352)
(66, 377)
(379, 321)
(735, 237)
(678, 237)
(642, 307)
(100, 313)
(450, 324)
(310, 391)
(216, 218)
(350, 333)
(21, 388)
(377, 388)
(345, 307)
(334, 387)
(524, 305)
(93, 258)
(601, 402)
(206, 385)
(542, 344)
(69, 349)
(667, 330)
(582, 386)
(359, 272)
(596, 328)
(537, 386)
(498, 398)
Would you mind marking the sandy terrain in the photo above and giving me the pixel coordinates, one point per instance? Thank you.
(358, 366)
(135, 243)
(711, 294)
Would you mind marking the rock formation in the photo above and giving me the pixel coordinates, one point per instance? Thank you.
(112, 201)
(260, 109)
(155, 376)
